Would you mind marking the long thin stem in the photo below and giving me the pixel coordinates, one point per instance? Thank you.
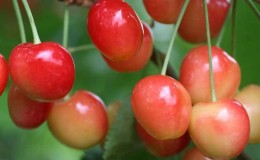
(36, 38)
(254, 8)
(168, 54)
(81, 48)
(66, 26)
(233, 28)
(19, 20)
(212, 83)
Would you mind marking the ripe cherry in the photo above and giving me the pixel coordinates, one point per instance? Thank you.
(162, 148)
(3, 74)
(194, 74)
(219, 129)
(79, 122)
(163, 11)
(192, 27)
(25, 112)
(162, 106)
(43, 72)
(115, 29)
(194, 154)
(249, 97)
(139, 61)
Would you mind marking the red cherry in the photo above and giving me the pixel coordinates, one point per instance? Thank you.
(162, 148)
(194, 74)
(3, 74)
(163, 11)
(115, 29)
(139, 61)
(25, 112)
(219, 129)
(80, 122)
(192, 27)
(194, 154)
(162, 106)
(43, 71)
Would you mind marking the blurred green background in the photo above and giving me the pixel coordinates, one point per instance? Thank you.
(94, 75)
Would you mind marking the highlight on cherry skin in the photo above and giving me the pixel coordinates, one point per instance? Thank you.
(139, 61)
(44, 71)
(4, 74)
(194, 154)
(79, 122)
(115, 29)
(249, 98)
(194, 74)
(163, 11)
(162, 106)
(25, 112)
(193, 28)
(162, 148)
(220, 130)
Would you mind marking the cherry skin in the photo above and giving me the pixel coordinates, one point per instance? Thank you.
(162, 106)
(192, 27)
(163, 11)
(194, 74)
(44, 72)
(162, 148)
(25, 112)
(80, 122)
(249, 97)
(139, 61)
(115, 29)
(4, 74)
(220, 129)
(194, 154)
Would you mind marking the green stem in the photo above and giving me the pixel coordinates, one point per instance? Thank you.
(20, 21)
(233, 28)
(254, 8)
(36, 38)
(212, 83)
(168, 54)
(81, 48)
(66, 26)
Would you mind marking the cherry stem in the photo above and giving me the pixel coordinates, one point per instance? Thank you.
(213, 92)
(19, 20)
(81, 48)
(254, 8)
(33, 26)
(66, 26)
(168, 54)
(233, 28)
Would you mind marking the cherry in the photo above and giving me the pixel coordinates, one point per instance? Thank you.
(162, 106)
(140, 59)
(219, 129)
(44, 71)
(194, 154)
(3, 74)
(162, 148)
(115, 29)
(25, 112)
(79, 122)
(192, 27)
(163, 11)
(249, 97)
(194, 74)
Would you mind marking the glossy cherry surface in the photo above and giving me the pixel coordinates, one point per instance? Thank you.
(194, 74)
(192, 27)
(139, 61)
(220, 129)
(43, 71)
(25, 112)
(162, 106)
(115, 29)
(163, 11)
(4, 74)
(80, 122)
(194, 154)
(162, 148)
